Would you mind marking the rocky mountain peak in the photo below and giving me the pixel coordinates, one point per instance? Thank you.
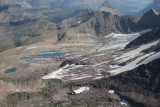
(106, 7)
(152, 12)
(107, 4)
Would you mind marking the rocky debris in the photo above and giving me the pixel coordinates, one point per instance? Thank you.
(72, 62)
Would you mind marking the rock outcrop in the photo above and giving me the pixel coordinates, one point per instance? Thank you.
(106, 7)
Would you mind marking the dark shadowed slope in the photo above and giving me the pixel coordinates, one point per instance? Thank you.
(155, 4)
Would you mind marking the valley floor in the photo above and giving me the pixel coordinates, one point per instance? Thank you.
(32, 68)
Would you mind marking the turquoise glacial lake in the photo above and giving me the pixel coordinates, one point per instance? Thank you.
(10, 70)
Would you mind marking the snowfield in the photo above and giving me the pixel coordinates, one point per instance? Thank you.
(32, 47)
(140, 58)
(136, 52)
(151, 58)
(119, 41)
(107, 62)
(66, 72)
(130, 66)
(81, 89)
(56, 74)
(111, 91)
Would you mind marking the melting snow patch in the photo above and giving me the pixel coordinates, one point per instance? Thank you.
(111, 91)
(100, 54)
(110, 35)
(64, 72)
(84, 59)
(79, 22)
(151, 58)
(55, 74)
(130, 66)
(98, 78)
(114, 66)
(136, 52)
(82, 77)
(32, 47)
(81, 89)
(122, 103)
(105, 62)
(141, 58)
(125, 103)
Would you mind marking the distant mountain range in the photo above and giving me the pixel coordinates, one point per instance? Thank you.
(76, 4)
(102, 23)
(125, 7)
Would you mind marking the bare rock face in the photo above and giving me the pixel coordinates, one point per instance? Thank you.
(70, 62)
(106, 7)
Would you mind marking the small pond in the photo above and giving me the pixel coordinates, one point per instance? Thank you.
(28, 61)
(30, 57)
(50, 55)
(10, 70)
(43, 54)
